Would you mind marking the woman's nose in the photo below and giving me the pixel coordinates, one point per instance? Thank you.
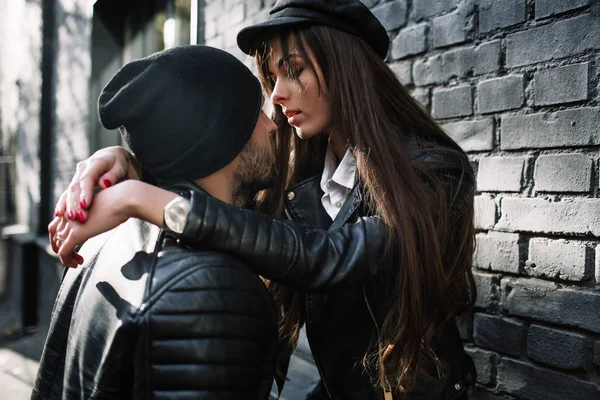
(279, 94)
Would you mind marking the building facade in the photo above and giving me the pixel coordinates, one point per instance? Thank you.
(515, 82)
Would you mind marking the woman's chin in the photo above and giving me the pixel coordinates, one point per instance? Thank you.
(304, 133)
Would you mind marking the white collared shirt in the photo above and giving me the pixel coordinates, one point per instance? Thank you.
(337, 181)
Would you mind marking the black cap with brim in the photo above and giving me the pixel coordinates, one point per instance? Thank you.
(351, 17)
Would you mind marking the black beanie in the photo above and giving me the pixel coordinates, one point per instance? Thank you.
(187, 111)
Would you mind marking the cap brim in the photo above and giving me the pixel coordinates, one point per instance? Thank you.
(250, 37)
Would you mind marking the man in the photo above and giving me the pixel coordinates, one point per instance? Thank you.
(146, 317)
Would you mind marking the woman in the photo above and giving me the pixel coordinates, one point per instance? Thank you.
(381, 196)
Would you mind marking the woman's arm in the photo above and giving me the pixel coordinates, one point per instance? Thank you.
(309, 260)
(279, 250)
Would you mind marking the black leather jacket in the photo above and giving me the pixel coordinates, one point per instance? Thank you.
(336, 265)
(146, 318)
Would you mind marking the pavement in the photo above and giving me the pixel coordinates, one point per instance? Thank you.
(19, 365)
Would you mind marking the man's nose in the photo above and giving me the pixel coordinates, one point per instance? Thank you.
(271, 126)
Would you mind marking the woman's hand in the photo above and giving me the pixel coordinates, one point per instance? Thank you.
(112, 207)
(104, 168)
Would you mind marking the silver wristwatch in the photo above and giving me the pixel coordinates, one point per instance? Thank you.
(175, 214)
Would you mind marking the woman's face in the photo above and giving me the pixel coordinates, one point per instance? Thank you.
(301, 102)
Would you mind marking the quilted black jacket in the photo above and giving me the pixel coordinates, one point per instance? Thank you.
(146, 318)
(336, 265)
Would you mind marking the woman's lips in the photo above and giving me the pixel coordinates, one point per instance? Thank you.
(292, 116)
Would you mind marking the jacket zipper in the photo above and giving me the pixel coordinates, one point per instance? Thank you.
(317, 363)
(287, 214)
(371, 311)
(435, 358)
(387, 393)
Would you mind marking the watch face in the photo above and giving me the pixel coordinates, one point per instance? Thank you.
(176, 213)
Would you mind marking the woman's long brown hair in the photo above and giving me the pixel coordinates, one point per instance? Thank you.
(428, 252)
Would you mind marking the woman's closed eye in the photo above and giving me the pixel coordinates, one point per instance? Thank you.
(291, 70)
(295, 71)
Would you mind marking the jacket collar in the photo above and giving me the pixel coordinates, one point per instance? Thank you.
(303, 203)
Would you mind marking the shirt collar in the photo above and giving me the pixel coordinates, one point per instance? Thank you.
(344, 174)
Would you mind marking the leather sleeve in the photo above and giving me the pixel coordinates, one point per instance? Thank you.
(284, 251)
(211, 334)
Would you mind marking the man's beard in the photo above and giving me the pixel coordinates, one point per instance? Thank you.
(256, 171)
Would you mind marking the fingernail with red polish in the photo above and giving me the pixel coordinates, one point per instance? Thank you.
(107, 183)
(83, 203)
(79, 216)
(70, 214)
(56, 213)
